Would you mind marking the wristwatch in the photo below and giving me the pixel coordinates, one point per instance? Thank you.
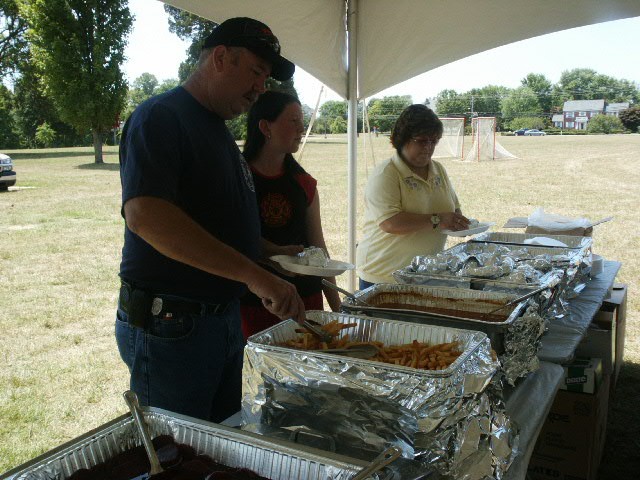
(435, 220)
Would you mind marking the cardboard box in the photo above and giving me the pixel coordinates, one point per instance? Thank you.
(599, 343)
(613, 316)
(570, 443)
(582, 375)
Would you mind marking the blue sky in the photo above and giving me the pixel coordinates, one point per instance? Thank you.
(609, 48)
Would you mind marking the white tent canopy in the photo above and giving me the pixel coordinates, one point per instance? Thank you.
(392, 41)
(400, 39)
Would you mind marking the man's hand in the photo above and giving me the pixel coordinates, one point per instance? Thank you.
(278, 296)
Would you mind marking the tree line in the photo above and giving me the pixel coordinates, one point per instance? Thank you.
(64, 61)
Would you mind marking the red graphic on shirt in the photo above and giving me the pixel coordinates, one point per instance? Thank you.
(275, 210)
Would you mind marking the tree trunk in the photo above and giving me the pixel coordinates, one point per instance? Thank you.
(97, 146)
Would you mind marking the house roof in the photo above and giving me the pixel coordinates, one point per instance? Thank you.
(617, 107)
(583, 105)
(557, 118)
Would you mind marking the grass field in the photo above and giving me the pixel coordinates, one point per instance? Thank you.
(61, 235)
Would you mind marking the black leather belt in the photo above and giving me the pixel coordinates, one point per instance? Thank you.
(138, 304)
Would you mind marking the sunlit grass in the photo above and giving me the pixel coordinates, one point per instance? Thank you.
(61, 242)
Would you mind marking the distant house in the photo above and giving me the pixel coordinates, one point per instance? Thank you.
(576, 113)
(558, 120)
(615, 108)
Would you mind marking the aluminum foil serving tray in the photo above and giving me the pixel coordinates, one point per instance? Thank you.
(276, 460)
(570, 241)
(425, 304)
(515, 338)
(362, 406)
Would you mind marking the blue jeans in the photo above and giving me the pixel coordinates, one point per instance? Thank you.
(188, 364)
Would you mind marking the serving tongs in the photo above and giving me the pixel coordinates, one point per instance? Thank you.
(516, 300)
(378, 463)
(317, 332)
(346, 293)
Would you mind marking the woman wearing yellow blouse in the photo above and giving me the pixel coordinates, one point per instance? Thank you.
(409, 200)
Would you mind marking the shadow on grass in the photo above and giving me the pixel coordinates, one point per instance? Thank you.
(620, 458)
(36, 154)
(99, 166)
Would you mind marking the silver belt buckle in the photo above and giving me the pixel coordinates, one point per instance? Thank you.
(156, 306)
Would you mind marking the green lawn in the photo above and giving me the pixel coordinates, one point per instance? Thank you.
(61, 235)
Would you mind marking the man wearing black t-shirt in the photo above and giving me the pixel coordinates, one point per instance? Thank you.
(193, 232)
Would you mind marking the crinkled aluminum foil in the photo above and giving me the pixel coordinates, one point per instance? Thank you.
(516, 339)
(363, 406)
(505, 267)
(234, 448)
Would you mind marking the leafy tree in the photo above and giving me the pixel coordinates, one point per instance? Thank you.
(630, 118)
(45, 135)
(521, 102)
(605, 124)
(13, 45)
(338, 125)
(384, 112)
(8, 138)
(238, 126)
(587, 84)
(487, 101)
(189, 27)
(543, 89)
(31, 107)
(449, 103)
(331, 110)
(79, 45)
(167, 85)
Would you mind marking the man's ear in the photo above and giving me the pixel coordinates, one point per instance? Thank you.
(219, 56)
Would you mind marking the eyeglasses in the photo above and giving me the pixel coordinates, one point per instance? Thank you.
(425, 142)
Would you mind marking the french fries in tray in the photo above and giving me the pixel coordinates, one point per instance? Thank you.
(414, 355)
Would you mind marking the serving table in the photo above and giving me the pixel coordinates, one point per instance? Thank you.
(559, 344)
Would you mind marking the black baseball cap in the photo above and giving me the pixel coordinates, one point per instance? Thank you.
(256, 37)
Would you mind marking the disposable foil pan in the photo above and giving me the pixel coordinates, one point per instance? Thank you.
(363, 406)
(558, 254)
(408, 276)
(516, 338)
(272, 459)
(423, 304)
(570, 241)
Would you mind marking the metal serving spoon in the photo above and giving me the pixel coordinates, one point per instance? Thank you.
(378, 463)
(132, 402)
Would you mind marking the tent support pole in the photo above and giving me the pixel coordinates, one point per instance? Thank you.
(352, 134)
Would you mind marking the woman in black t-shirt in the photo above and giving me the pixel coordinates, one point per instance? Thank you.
(287, 199)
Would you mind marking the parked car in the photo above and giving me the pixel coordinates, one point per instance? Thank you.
(520, 132)
(7, 175)
(534, 132)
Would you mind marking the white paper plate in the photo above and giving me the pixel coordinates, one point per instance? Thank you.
(482, 227)
(292, 264)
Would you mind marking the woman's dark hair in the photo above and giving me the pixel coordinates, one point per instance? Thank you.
(268, 107)
(415, 120)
